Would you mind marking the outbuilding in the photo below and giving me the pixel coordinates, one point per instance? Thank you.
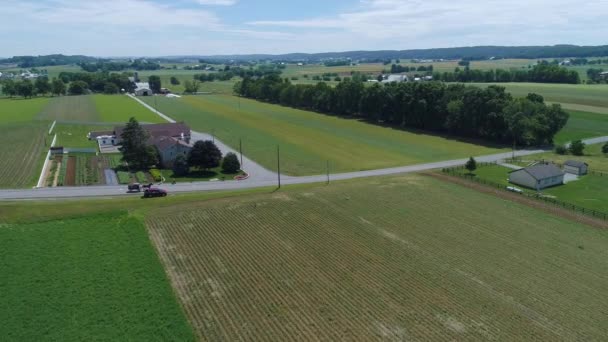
(576, 167)
(539, 176)
(143, 89)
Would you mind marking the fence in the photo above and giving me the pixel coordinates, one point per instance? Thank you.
(454, 171)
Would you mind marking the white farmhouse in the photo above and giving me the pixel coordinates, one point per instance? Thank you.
(539, 176)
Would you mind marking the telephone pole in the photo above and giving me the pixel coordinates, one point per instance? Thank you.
(241, 150)
(279, 166)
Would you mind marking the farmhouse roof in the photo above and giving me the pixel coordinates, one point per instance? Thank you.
(542, 171)
(576, 163)
(163, 142)
(94, 135)
(160, 130)
(142, 85)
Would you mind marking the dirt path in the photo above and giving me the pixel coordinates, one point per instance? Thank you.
(546, 207)
(57, 172)
(70, 175)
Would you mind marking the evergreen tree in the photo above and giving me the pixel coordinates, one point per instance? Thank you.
(471, 165)
(134, 148)
(231, 163)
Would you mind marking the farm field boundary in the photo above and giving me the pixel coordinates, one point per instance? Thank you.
(529, 197)
(47, 160)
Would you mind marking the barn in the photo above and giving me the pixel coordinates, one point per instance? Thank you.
(143, 89)
(576, 167)
(539, 176)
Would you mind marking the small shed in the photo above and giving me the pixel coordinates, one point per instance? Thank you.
(56, 150)
(576, 167)
(539, 176)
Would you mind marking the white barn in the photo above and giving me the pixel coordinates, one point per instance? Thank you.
(396, 78)
(539, 176)
(576, 167)
(143, 89)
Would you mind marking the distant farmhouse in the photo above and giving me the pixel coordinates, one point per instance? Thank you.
(396, 78)
(171, 139)
(143, 89)
(576, 167)
(539, 176)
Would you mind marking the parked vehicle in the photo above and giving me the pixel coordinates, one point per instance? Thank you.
(154, 192)
(514, 189)
(135, 187)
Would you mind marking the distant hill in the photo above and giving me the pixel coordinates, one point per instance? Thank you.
(472, 53)
(48, 60)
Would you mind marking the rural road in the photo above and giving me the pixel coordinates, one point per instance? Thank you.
(260, 176)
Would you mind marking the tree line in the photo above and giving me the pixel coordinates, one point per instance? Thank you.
(138, 64)
(488, 113)
(540, 73)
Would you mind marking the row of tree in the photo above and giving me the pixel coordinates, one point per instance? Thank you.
(488, 113)
(138, 64)
(595, 76)
(27, 88)
(397, 69)
(540, 73)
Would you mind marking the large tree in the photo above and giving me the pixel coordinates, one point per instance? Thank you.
(204, 155)
(42, 85)
(78, 88)
(135, 150)
(9, 88)
(26, 88)
(58, 87)
(155, 83)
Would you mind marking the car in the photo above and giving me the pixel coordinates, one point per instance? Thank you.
(514, 189)
(134, 187)
(154, 192)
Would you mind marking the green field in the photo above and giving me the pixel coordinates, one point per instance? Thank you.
(119, 108)
(75, 135)
(397, 258)
(21, 110)
(583, 125)
(308, 140)
(23, 153)
(83, 279)
(590, 98)
(70, 108)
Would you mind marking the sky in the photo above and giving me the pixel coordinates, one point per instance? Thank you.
(212, 27)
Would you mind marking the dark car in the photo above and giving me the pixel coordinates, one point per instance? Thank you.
(135, 187)
(154, 192)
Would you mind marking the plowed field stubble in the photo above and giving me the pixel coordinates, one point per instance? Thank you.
(394, 258)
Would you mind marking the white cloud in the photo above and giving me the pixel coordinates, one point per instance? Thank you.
(217, 2)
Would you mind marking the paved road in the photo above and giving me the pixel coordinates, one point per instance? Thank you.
(260, 177)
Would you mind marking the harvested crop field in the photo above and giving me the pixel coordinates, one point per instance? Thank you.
(70, 175)
(395, 258)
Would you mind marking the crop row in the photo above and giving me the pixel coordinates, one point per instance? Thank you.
(339, 266)
(21, 155)
(62, 171)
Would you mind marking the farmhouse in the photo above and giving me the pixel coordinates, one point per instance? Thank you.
(171, 139)
(143, 89)
(169, 148)
(396, 78)
(576, 167)
(539, 176)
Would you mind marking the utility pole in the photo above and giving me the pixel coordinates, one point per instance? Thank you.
(241, 150)
(279, 165)
(328, 172)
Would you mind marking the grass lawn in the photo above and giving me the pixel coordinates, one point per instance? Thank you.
(23, 153)
(583, 125)
(119, 108)
(75, 135)
(419, 255)
(593, 156)
(70, 108)
(91, 278)
(307, 140)
(199, 175)
(21, 110)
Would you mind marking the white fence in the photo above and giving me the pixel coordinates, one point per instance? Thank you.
(46, 165)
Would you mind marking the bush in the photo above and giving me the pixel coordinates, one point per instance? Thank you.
(471, 165)
(157, 175)
(180, 166)
(605, 148)
(123, 177)
(231, 164)
(141, 177)
(577, 148)
(561, 149)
